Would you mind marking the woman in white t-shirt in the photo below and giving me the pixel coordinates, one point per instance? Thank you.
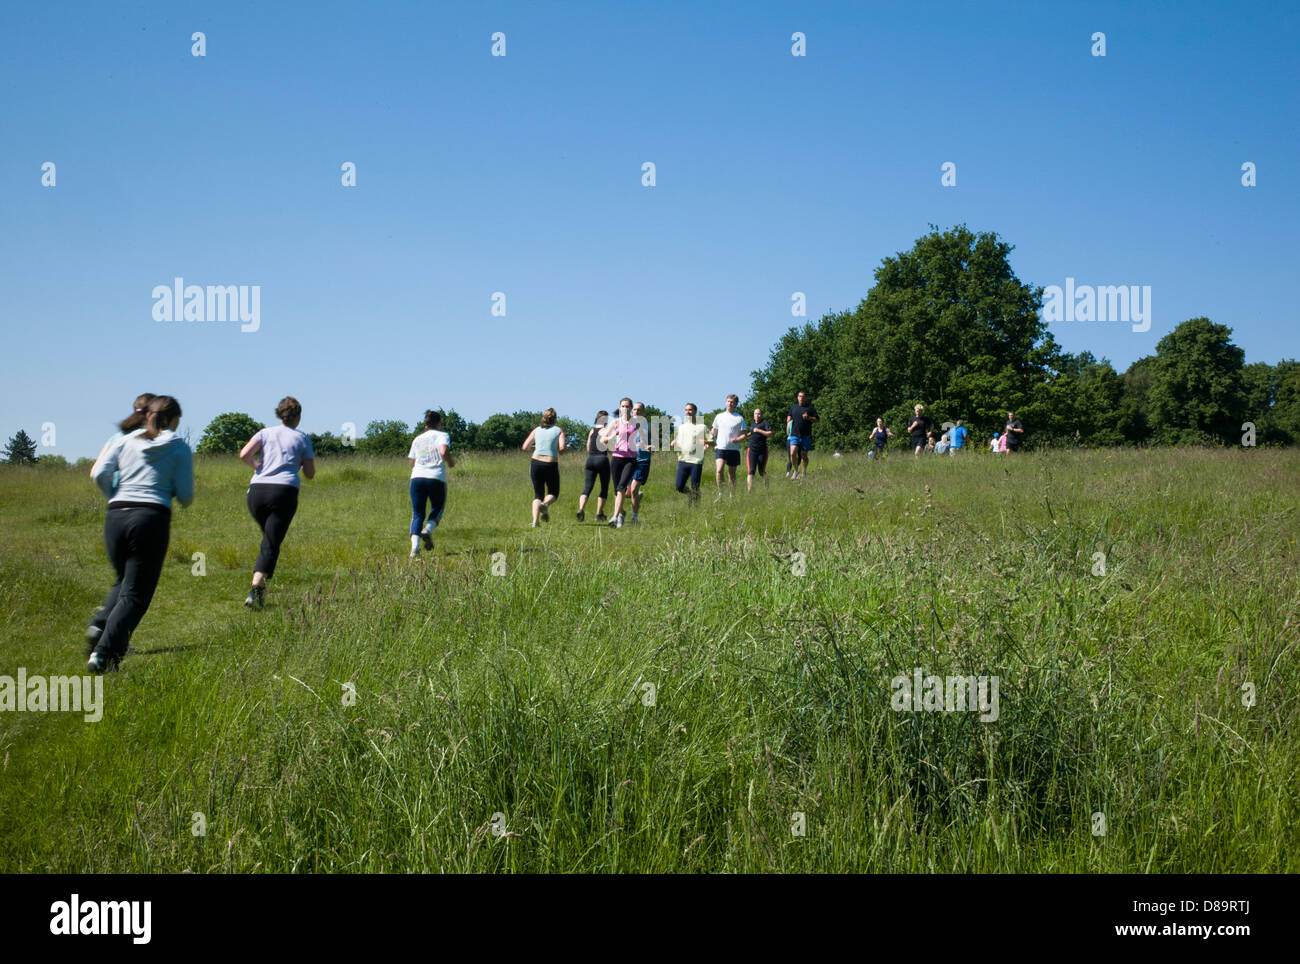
(429, 459)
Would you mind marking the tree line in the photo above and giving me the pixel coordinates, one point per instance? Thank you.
(948, 325)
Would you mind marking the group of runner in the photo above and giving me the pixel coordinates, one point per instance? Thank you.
(143, 468)
(146, 466)
(619, 452)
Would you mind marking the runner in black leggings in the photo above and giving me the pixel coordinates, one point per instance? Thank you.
(140, 473)
(273, 492)
(622, 434)
(597, 467)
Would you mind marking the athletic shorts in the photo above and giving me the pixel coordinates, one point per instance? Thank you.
(803, 442)
(756, 460)
(730, 456)
(642, 472)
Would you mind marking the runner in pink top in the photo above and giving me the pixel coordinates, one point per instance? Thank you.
(625, 433)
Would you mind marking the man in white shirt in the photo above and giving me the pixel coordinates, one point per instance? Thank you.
(727, 429)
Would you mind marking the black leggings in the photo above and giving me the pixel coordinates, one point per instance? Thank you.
(545, 475)
(136, 537)
(597, 467)
(273, 506)
(623, 470)
(757, 461)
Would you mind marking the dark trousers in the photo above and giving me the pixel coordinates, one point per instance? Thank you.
(136, 538)
(432, 491)
(273, 506)
(691, 471)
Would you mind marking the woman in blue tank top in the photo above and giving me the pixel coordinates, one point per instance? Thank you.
(547, 442)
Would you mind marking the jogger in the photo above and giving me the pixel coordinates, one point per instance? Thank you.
(273, 491)
(547, 442)
(691, 442)
(429, 459)
(624, 433)
(140, 474)
(597, 467)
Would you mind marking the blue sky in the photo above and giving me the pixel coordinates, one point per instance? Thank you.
(522, 174)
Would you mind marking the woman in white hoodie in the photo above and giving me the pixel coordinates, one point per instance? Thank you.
(140, 474)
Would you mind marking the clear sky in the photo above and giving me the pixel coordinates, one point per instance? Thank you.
(522, 174)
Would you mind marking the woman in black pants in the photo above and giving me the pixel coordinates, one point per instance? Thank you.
(547, 442)
(273, 492)
(597, 467)
(140, 473)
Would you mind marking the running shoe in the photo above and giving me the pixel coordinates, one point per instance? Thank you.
(582, 514)
(601, 517)
(256, 598)
(616, 522)
(426, 537)
(99, 663)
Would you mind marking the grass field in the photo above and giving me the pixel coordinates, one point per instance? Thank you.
(502, 720)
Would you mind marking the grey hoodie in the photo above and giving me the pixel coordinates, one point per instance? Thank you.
(148, 470)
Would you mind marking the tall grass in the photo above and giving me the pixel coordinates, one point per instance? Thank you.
(673, 696)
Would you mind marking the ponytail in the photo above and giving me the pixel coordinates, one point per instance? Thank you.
(136, 419)
(160, 412)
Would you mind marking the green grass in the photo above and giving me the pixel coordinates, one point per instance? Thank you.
(523, 695)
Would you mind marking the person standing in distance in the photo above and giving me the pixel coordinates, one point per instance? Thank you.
(429, 460)
(957, 437)
(140, 474)
(273, 491)
(917, 429)
(728, 428)
(756, 454)
(802, 415)
(547, 441)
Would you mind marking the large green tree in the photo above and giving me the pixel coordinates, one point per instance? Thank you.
(227, 433)
(947, 324)
(1197, 390)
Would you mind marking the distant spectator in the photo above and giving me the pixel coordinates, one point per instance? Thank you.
(993, 443)
(941, 446)
(957, 438)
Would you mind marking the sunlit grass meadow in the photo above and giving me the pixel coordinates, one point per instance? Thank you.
(503, 722)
